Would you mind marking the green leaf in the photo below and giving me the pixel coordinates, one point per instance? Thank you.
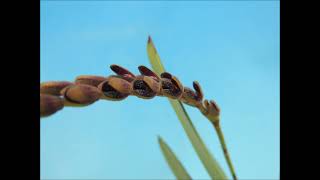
(173, 162)
(209, 162)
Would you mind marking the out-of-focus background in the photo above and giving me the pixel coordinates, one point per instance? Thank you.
(231, 48)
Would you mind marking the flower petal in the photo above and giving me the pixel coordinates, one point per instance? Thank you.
(198, 89)
(53, 87)
(110, 93)
(215, 107)
(120, 85)
(90, 80)
(166, 75)
(49, 104)
(153, 84)
(121, 71)
(141, 87)
(190, 97)
(147, 72)
(81, 94)
(171, 86)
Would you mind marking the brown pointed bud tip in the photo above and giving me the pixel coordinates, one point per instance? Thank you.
(81, 94)
(215, 106)
(206, 103)
(166, 75)
(121, 71)
(53, 87)
(49, 104)
(112, 86)
(90, 80)
(145, 87)
(193, 98)
(198, 89)
(190, 97)
(171, 86)
(147, 72)
(212, 110)
(177, 83)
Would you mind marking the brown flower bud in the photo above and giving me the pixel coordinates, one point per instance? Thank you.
(212, 110)
(53, 87)
(193, 98)
(127, 75)
(171, 86)
(145, 87)
(90, 80)
(115, 88)
(147, 72)
(80, 94)
(49, 104)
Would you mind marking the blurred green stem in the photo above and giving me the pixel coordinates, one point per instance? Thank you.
(214, 118)
(224, 148)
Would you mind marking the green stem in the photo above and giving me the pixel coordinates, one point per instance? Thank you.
(224, 148)
(215, 120)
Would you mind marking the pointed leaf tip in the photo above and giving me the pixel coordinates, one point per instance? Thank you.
(149, 39)
(175, 165)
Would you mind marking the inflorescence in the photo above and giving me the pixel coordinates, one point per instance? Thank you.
(87, 89)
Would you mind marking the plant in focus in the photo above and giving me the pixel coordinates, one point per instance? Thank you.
(87, 89)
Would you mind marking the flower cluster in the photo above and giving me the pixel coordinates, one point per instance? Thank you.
(87, 89)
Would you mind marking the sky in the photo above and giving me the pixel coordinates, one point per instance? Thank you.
(231, 48)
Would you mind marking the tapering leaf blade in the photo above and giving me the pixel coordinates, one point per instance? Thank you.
(209, 162)
(175, 165)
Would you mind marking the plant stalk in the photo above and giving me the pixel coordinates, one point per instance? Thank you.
(224, 148)
(215, 120)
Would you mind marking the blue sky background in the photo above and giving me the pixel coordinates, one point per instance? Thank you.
(231, 48)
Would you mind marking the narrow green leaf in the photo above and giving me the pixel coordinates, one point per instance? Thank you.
(209, 162)
(173, 162)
